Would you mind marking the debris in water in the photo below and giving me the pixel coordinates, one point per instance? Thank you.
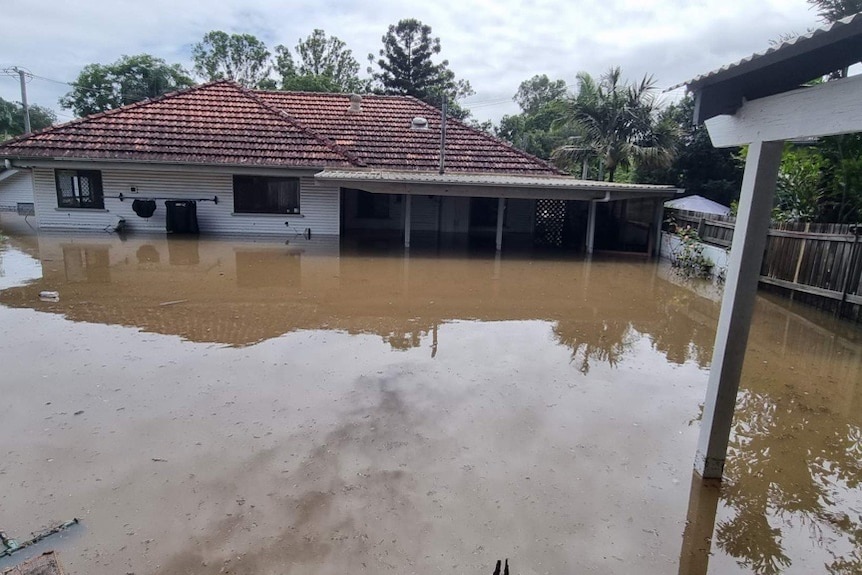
(159, 460)
(79, 412)
(44, 564)
(49, 296)
(173, 302)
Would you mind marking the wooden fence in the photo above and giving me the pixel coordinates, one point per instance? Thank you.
(819, 263)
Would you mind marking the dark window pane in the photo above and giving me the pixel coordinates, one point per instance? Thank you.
(265, 195)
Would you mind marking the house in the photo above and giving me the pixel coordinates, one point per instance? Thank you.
(287, 163)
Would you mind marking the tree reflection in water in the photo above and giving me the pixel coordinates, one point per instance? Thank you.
(783, 471)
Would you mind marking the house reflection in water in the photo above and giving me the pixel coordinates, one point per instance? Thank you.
(241, 293)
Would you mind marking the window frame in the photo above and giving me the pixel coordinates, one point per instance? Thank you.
(75, 202)
(251, 181)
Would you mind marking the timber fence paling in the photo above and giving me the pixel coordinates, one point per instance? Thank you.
(821, 263)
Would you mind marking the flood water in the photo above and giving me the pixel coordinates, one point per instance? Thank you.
(223, 406)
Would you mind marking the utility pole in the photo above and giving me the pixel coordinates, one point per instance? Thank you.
(21, 75)
(443, 135)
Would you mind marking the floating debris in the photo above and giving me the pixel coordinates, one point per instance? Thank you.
(53, 296)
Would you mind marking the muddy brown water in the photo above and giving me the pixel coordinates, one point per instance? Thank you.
(217, 406)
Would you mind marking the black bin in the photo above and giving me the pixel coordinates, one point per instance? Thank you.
(181, 216)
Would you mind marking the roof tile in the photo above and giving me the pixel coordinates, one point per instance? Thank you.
(223, 123)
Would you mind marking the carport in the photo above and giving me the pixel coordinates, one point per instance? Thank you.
(548, 191)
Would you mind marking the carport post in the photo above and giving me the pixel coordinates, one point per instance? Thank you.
(407, 220)
(737, 306)
(591, 226)
(501, 208)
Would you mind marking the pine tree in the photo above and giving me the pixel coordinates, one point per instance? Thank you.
(406, 67)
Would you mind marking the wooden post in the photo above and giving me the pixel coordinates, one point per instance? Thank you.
(407, 220)
(501, 208)
(658, 216)
(591, 227)
(737, 306)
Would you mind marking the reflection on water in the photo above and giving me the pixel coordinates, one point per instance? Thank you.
(237, 294)
(791, 502)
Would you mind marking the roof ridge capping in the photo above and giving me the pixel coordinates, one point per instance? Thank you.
(328, 143)
(535, 159)
(112, 111)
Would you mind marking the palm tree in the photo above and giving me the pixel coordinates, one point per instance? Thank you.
(616, 123)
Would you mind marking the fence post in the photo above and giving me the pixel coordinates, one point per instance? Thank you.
(700, 226)
(851, 268)
(801, 254)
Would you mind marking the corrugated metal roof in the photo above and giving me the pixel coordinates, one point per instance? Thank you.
(490, 180)
(782, 68)
(798, 42)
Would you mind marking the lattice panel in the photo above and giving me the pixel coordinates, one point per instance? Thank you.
(550, 221)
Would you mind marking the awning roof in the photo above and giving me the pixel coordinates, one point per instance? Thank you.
(779, 69)
(491, 185)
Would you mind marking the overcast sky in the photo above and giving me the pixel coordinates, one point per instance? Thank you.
(495, 44)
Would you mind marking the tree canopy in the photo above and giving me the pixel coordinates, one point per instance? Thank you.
(12, 119)
(617, 123)
(238, 57)
(130, 79)
(322, 64)
(535, 129)
(405, 67)
(832, 10)
(698, 166)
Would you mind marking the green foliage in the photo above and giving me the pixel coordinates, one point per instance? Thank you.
(799, 191)
(405, 67)
(842, 168)
(535, 129)
(12, 119)
(130, 79)
(323, 64)
(698, 166)
(617, 122)
(238, 57)
(536, 93)
(688, 258)
(832, 10)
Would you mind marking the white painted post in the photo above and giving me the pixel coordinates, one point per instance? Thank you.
(501, 207)
(591, 226)
(737, 306)
(407, 220)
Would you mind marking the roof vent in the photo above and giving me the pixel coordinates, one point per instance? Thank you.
(355, 104)
(419, 123)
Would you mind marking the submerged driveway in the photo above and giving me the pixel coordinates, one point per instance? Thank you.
(232, 407)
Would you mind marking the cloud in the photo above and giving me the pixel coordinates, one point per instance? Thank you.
(495, 44)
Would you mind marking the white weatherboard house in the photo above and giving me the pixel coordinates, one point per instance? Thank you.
(281, 163)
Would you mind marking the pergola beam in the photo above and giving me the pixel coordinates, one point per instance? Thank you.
(823, 110)
(737, 305)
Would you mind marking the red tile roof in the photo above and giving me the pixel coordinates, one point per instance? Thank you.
(223, 123)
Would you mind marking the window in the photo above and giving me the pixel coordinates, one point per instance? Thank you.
(372, 206)
(264, 195)
(79, 189)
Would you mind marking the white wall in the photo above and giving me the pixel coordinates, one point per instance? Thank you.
(14, 189)
(319, 204)
(718, 256)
